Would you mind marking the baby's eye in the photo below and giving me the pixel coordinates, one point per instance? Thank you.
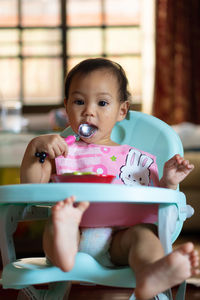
(103, 103)
(79, 102)
(129, 175)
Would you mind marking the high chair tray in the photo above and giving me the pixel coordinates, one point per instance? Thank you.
(53, 192)
(112, 210)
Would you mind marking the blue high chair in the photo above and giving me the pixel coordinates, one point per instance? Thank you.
(31, 201)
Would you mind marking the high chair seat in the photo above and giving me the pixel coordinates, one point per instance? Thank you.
(111, 205)
(32, 271)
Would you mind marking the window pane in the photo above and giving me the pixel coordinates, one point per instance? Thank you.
(123, 40)
(8, 13)
(9, 42)
(132, 67)
(87, 12)
(84, 41)
(41, 42)
(40, 13)
(9, 79)
(72, 62)
(42, 81)
(122, 12)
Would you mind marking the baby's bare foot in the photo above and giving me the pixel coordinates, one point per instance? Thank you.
(167, 272)
(66, 219)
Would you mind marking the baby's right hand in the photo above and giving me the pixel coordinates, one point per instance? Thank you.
(52, 144)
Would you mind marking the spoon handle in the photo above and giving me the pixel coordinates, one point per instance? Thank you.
(70, 139)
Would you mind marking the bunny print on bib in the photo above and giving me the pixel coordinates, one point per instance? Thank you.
(136, 170)
(129, 165)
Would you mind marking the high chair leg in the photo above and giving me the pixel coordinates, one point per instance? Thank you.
(132, 297)
(162, 296)
(168, 215)
(22, 296)
(57, 290)
(9, 216)
(180, 295)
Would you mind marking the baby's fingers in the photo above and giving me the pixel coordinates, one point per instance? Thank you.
(173, 161)
(64, 146)
(54, 151)
(57, 149)
(53, 145)
(185, 164)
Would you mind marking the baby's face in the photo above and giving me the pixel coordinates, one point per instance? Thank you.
(94, 99)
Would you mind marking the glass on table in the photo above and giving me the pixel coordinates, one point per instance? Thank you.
(10, 116)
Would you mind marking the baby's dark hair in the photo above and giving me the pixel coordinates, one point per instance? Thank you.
(93, 64)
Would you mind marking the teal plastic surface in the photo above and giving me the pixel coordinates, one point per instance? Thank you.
(35, 271)
(50, 193)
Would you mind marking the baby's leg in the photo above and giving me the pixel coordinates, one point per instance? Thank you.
(141, 249)
(61, 236)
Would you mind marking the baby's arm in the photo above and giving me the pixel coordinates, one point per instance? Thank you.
(175, 170)
(32, 171)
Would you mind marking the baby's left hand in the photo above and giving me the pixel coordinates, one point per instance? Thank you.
(175, 170)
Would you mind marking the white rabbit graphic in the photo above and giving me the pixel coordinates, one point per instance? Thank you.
(136, 170)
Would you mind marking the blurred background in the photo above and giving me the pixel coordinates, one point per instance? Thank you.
(157, 43)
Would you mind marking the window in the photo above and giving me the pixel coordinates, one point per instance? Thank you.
(40, 40)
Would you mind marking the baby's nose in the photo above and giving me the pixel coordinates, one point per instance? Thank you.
(89, 110)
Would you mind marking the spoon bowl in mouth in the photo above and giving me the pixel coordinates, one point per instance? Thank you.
(86, 130)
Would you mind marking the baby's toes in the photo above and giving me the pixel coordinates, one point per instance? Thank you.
(195, 272)
(194, 255)
(69, 200)
(82, 206)
(57, 206)
(195, 262)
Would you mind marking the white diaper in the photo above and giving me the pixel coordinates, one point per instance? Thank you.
(96, 242)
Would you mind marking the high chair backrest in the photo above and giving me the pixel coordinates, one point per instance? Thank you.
(146, 133)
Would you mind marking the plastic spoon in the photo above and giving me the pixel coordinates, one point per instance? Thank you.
(84, 131)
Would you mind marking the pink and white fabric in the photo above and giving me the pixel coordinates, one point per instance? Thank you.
(130, 165)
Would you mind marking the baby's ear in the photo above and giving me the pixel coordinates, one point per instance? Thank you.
(65, 102)
(65, 105)
(124, 107)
